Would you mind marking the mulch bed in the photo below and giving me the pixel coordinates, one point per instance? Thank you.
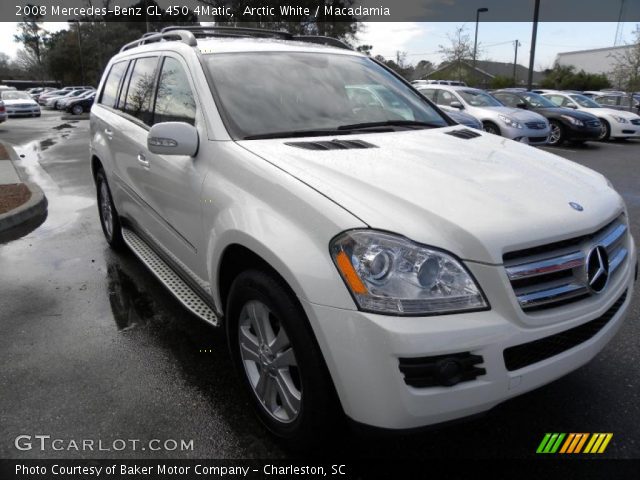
(4, 155)
(12, 195)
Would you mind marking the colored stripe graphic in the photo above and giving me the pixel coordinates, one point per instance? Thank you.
(573, 443)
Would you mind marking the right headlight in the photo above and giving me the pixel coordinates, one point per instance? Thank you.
(573, 120)
(510, 121)
(392, 275)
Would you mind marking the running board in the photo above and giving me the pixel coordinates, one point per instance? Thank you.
(170, 279)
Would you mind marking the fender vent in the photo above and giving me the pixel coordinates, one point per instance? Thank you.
(332, 145)
(463, 133)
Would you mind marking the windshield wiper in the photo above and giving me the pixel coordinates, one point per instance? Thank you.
(390, 123)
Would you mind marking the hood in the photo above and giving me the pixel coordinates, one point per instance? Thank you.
(557, 111)
(20, 101)
(518, 114)
(477, 198)
(612, 111)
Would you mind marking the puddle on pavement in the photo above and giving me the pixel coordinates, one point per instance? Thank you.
(64, 207)
(44, 144)
(130, 306)
(64, 125)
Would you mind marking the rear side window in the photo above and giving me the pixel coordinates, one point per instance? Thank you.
(138, 100)
(175, 101)
(110, 91)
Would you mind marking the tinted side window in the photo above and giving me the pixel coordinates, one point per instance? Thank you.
(445, 98)
(430, 93)
(175, 101)
(508, 99)
(110, 90)
(140, 91)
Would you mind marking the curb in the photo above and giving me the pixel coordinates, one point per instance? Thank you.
(36, 206)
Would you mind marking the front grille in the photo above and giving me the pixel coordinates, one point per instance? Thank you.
(536, 125)
(555, 274)
(521, 356)
(592, 123)
(442, 370)
(537, 139)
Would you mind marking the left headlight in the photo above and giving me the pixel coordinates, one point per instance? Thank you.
(620, 119)
(510, 121)
(392, 275)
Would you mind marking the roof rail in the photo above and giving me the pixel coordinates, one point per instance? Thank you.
(183, 35)
(231, 31)
(188, 34)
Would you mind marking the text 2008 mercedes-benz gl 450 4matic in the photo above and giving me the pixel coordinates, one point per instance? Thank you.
(365, 255)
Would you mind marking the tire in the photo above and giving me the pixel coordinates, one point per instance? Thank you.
(491, 127)
(557, 134)
(77, 109)
(605, 131)
(276, 354)
(109, 220)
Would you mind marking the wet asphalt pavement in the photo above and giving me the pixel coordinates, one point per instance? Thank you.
(93, 347)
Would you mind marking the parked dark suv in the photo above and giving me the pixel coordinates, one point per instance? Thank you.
(566, 123)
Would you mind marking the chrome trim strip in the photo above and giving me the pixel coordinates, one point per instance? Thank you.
(612, 237)
(551, 295)
(617, 259)
(542, 267)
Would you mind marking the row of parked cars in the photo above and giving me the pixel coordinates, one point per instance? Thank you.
(536, 117)
(14, 103)
(74, 100)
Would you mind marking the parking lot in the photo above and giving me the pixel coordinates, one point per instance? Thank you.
(93, 347)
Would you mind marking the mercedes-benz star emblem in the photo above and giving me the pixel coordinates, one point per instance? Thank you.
(597, 269)
(576, 206)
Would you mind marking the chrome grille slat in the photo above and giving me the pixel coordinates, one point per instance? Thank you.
(543, 277)
(542, 267)
(552, 295)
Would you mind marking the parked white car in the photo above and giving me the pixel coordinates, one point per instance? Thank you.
(19, 104)
(615, 123)
(401, 271)
(519, 125)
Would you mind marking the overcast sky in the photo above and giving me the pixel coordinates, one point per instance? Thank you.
(421, 40)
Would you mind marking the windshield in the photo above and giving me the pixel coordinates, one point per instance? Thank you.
(585, 101)
(274, 93)
(13, 95)
(538, 101)
(476, 98)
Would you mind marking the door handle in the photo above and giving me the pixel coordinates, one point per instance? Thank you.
(108, 133)
(142, 160)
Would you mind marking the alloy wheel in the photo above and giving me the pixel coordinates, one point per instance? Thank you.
(269, 362)
(555, 135)
(105, 209)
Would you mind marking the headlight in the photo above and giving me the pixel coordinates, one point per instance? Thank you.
(389, 274)
(573, 120)
(510, 121)
(620, 119)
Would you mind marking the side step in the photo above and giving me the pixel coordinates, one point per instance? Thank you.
(170, 279)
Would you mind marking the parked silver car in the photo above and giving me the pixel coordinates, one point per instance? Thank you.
(520, 125)
(457, 115)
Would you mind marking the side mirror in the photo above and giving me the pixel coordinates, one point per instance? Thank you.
(173, 138)
(456, 104)
(572, 105)
(522, 105)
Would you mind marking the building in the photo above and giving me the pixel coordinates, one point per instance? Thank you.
(484, 73)
(598, 60)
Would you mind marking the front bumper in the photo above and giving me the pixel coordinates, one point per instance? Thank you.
(23, 112)
(526, 135)
(624, 130)
(363, 352)
(582, 133)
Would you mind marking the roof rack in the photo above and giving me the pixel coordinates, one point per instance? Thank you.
(189, 35)
(183, 35)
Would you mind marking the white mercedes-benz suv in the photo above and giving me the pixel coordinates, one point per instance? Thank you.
(379, 262)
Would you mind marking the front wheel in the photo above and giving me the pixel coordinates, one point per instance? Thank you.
(77, 109)
(109, 219)
(280, 363)
(491, 127)
(556, 136)
(605, 130)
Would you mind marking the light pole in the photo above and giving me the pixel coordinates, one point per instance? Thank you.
(534, 34)
(515, 64)
(475, 43)
(77, 22)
